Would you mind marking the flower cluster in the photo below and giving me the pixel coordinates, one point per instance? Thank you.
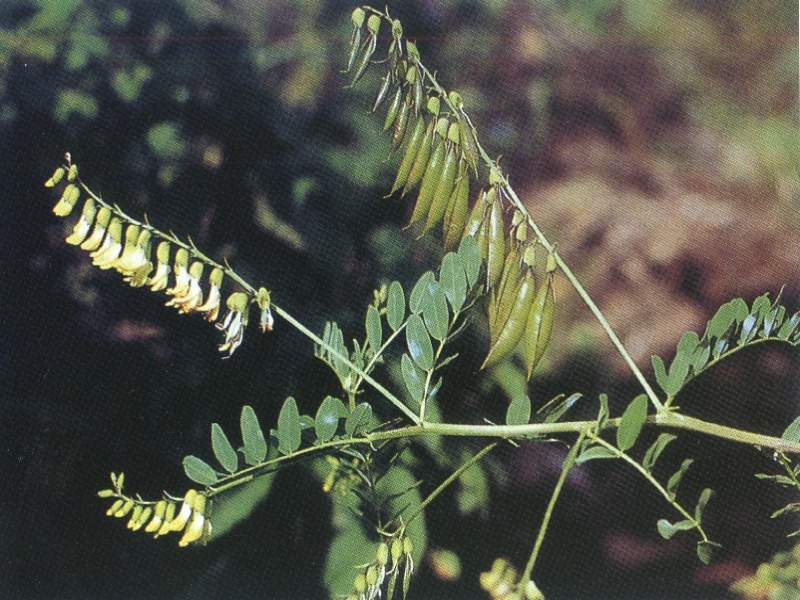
(114, 241)
(162, 516)
(502, 582)
(368, 582)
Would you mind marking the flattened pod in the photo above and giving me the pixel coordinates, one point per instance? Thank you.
(444, 188)
(401, 123)
(475, 220)
(357, 17)
(457, 217)
(394, 108)
(496, 243)
(384, 89)
(421, 159)
(429, 183)
(512, 331)
(468, 145)
(363, 63)
(540, 325)
(506, 291)
(412, 148)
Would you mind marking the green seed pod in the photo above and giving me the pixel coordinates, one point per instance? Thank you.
(430, 181)
(397, 550)
(394, 109)
(105, 493)
(514, 328)
(419, 93)
(408, 547)
(521, 233)
(72, 174)
(415, 140)
(100, 226)
(495, 176)
(401, 123)
(552, 265)
(456, 217)
(384, 89)
(355, 43)
(382, 555)
(117, 504)
(124, 509)
(455, 99)
(506, 294)
(444, 189)
(529, 256)
(539, 326)
(517, 218)
(468, 145)
(476, 216)
(397, 29)
(372, 575)
(374, 24)
(56, 177)
(413, 51)
(360, 583)
(482, 239)
(67, 201)
(366, 56)
(496, 244)
(421, 159)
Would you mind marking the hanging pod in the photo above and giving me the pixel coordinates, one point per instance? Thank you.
(69, 198)
(469, 146)
(84, 224)
(476, 217)
(495, 234)
(420, 163)
(401, 123)
(447, 177)
(394, 109)
(98, 233)
(357, 18)
(456, 215)
(504, 295)
(514, 328)
(413, 145)
(539, 326)
(368, 49)
(386, 85)
(433, 171)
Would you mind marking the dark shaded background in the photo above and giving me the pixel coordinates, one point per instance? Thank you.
(656, 141)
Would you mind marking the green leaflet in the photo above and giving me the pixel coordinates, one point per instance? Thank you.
(419, 343)
(435, 314)
(453, 280)
(326, 421)
(413, 378)
(223, 451)
(359, 419)
(199, 471)
(374, 329)
(594, 453)
(395, 306)
(255, 446)
(519, 411)
(654, 451)
(633, 420)
(289, 427)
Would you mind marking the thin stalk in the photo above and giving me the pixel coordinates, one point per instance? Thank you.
(566, 467)
(653, 481)
(378, 354)
(450, 479)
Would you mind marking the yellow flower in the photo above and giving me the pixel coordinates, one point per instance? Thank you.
(192, 297)
(235, 322)
(159, 281)
(211, 305)
(111, 247)
(181, 273)
(134, 256)
(100, 226)
(84, 224)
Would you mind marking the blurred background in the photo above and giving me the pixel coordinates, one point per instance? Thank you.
(656, 141)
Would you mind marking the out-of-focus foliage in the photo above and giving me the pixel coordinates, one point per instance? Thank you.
(778, 579)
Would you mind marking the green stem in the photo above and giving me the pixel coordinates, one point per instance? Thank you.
(569, 462)
(653, 481)
(450, 479)
(378, 354)
(313, 336)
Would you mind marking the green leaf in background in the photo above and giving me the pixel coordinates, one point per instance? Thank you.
(419, 342)
(633, 420)
(420, 293)
(655, 450)
(677, 476)
(453, 280)
(166, 141)
(413, 378)
(702, 502)
(327, 420)
(789, 326)
(288, 427)
(435, 313)
(792, 432)
(593, 453)
(358, 419)
(472, 495)
(254, 444)
(351, 546)
(666, 529)
(519, 411)
(235, 506)
(374, 329)
(223, 451)
(470, 255)
(199, 471)
(602, 413)
(395, 306)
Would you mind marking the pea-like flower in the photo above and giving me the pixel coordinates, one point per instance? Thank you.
(98, 233)
(160, 280)
(235, 322)
(189, 296)
(134, 255)
(211, 305)
(110, 249)
(84, 224)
